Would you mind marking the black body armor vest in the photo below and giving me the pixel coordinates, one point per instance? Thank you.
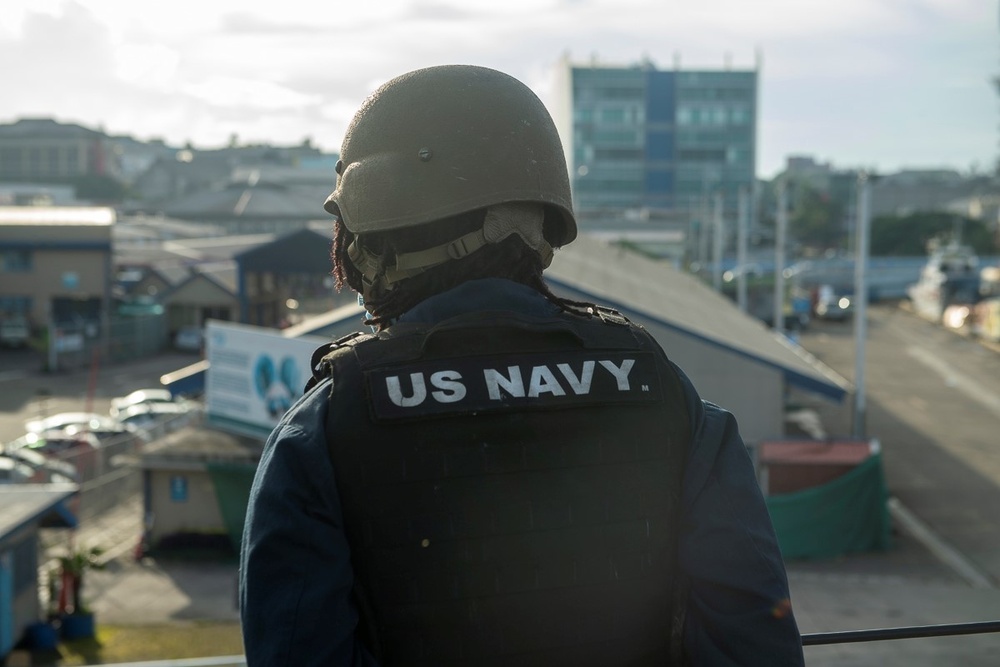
(510, 490)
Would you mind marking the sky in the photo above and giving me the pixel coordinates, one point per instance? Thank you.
(876, 84)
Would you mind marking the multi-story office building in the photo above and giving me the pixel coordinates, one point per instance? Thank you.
(44, 150)
(651, 144)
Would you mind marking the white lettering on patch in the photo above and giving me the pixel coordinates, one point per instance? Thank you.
(495, 381)
(449, 385)
(396, 392)
(579, 385)
(558, 380)
(621, 374)
(544, 381)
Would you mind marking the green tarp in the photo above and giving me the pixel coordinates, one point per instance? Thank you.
(848, 515)
(232, 491)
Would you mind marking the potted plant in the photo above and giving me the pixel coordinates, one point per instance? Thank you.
(77, 621)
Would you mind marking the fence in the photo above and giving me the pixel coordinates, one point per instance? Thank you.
(109, 474)
(133, 337)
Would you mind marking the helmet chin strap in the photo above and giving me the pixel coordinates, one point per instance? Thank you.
(521, 218)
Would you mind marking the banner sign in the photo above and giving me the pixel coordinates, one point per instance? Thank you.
(254, 375)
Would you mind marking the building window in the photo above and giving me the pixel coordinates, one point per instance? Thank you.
(739, 116)
(617, 137)
(34, 160)
(55, 164)
(613, 115)
(618, 154)
(15, 305)
(16, 261)
(702, 154)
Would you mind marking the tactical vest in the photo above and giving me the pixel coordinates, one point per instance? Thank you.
(510, 490)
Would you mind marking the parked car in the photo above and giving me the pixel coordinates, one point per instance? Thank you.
(54, 442)
(13, 471)
(45, 469)
(189, 339)
(77, 422)
(148, 415)
(834, 304)
(78, 449)
(14, 332)
(140, 397)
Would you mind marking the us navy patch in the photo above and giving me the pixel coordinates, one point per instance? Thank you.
(513, 382)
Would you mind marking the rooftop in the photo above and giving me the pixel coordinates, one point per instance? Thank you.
(57, 215)
(21, 504)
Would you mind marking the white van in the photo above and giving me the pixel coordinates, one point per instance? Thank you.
(14, 332)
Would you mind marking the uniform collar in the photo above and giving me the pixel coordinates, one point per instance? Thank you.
(479, 295)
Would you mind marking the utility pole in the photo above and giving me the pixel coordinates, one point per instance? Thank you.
(781, 229)
(742, 223)
(717, 242)
(861, 306)
(703, 230)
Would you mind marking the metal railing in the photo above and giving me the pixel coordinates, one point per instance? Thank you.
(219, 661)
(905, 632)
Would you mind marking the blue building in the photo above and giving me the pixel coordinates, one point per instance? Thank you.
(24, 509)
(649, 144)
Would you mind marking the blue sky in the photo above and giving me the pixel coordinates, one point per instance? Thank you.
(882, 84)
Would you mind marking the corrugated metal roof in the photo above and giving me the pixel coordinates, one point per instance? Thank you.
(301, 251)
(21, 504)
(330, 325)
(173, 275)
(199, 444)
(223, 274)
(656, 290)
(216, 249)
(220, 274)
(264, 200)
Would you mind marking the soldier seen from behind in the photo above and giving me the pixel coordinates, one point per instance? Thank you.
(496, 475)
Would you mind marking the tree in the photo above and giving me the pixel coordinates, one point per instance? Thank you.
(817, 221)
(909, 235)
(100, 188)
(73, 567)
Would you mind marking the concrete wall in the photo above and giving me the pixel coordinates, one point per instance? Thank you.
(50, 277)
(197, 513)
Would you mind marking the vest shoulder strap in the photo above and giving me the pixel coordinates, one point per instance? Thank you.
(322, 357)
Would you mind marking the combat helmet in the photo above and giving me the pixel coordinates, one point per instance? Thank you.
(442, 141)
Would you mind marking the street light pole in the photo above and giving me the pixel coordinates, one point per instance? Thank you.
(717, 242)
(781, 225)
(861, 305)
(741, 249)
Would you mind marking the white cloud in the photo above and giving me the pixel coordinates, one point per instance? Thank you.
(225, 91)
(147, 65)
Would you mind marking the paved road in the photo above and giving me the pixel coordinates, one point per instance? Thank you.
(932, 402)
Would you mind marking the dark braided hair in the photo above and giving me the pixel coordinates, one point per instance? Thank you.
(511, 259)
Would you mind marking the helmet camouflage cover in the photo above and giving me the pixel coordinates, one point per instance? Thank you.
(441, 141)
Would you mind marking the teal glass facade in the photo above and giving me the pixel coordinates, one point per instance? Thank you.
(645, 138)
